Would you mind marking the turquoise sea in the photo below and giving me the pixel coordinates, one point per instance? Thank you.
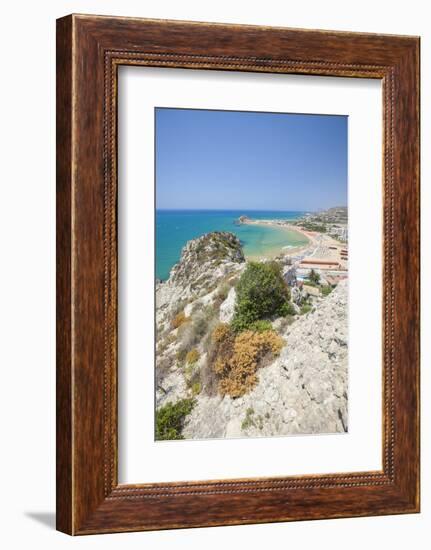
(175, 227)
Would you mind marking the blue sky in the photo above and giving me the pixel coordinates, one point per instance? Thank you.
(251, 161)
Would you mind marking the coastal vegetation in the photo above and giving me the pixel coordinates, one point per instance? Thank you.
(170, 419)
(305, 308)
(236, 350)
(192, 356)
(196, 387)
(178, 320)
(314, 277)
(251, 420)
(261, 292)
(236, 357)
(248, 420)
(261, 325)
(326, 290)
(310, 226)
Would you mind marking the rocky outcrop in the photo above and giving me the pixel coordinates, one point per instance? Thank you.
(195, 289)
(173, 388)
(304, 391)
(203, 258)
(204, 264)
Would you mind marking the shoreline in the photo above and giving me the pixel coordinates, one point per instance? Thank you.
(286, 226)
(299, 252)
(313, 249)
(294, 250)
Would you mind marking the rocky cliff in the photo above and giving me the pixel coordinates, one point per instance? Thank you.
(187, 308)
(204, 264)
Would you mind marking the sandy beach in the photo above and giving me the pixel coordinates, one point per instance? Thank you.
(286, 251)
(320, 246)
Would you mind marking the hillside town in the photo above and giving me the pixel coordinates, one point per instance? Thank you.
(326, 255)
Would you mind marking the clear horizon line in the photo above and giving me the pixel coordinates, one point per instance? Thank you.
(247, 209)
(238, 209)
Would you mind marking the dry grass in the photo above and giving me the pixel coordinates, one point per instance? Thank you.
(192, 356)
(178, 320)
(235, 358)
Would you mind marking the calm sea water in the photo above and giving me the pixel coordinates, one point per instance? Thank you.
(175, 227)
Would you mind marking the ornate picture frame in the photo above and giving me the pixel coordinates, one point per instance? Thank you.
(89, 51)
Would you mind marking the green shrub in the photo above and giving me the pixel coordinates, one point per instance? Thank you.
(260, 326)
(327, 289)
(287, 310)
(196, 388)
(170, 419)
(306, 308)
(311, 283)
(261, 292)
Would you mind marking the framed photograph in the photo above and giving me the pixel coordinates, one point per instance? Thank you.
(237, 274)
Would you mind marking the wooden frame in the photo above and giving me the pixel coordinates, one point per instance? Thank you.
(89, 51)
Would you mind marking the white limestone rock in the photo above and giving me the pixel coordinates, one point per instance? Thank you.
(227, 308)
